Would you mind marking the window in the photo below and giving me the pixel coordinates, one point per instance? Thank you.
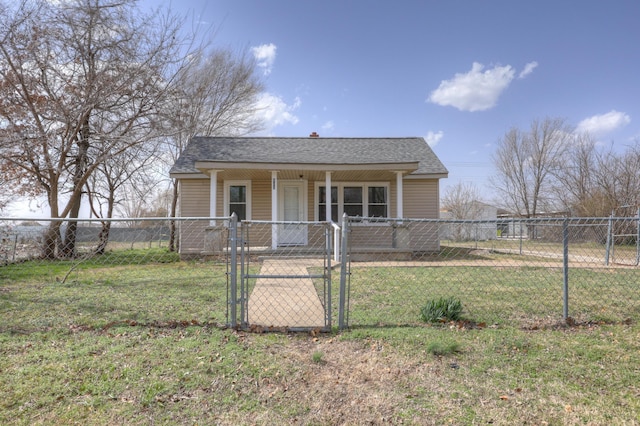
(353, 200)
(377, 201)
(370, 200)
(322, 203)
(237, 197)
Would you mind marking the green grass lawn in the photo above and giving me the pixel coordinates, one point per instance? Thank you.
(141, 342)
(522, 295)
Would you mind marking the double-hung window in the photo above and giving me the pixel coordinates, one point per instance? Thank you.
(357, 200)
(237, 199)
(353, 200)
(377, 201)
(322, 203)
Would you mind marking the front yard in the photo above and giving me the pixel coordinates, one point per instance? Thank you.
(143, 343)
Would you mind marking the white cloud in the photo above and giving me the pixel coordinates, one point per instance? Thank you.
(265, 55)
(604, 123)
(275, 112)
(433, 138)
(475, 90)
(528, 69)
(329, 125)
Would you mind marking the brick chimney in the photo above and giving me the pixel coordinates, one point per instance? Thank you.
(314, 135)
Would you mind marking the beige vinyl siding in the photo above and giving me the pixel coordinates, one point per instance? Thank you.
(194, 198)
(393, 199)
(260, 234)
(421, 198)
(193, 202)
(261, 199)
(421, 201)
(311, 200)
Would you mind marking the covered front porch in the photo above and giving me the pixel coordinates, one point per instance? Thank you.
(293, 193)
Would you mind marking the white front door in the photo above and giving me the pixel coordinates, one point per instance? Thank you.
(291, 208)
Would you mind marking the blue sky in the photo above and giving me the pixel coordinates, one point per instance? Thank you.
(459, 73)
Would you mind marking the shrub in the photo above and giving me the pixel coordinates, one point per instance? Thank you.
(443, 309)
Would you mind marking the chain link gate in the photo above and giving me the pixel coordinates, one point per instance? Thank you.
(280, 275)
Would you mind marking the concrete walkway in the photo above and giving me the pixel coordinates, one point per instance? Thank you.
(286, 302)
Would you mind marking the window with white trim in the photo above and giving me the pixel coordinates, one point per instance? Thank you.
(322, 203)
(354, 199)
(237, 199)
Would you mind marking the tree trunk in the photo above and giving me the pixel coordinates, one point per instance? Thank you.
(103, 237)
(51, 240)
(69, 246)
(173, 238)
(70, 235)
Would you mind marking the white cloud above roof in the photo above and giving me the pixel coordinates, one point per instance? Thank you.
(528, 69)
(329, 125)
(274, 111)
(476, 90)
(265, 55)
(433, 138)
(598, 125)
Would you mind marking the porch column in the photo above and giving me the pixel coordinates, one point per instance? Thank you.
(274, 209)
(327, 196)
(399, 196)
(213, 196)
(274, 196)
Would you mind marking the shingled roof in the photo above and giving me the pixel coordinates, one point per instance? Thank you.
(309, 151)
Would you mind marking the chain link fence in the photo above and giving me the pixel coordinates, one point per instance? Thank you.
(363, 272)
(113, 271)
(285, 271)
(532, 272)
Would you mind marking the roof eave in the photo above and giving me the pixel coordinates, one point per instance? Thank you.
(407, 167)
(188, 175)
(428, 176)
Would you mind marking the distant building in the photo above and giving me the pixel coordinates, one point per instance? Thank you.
(473, 221)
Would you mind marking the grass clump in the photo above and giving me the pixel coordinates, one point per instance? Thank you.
(442, 309)
(442, 349)
(317, 357)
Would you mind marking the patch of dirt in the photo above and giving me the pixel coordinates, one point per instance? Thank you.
(570, 324)
(350, 383)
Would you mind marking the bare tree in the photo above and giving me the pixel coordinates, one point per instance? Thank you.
(7, 195)
(629, 180)
(618, 178)
(574, 184)
(67, 66)
(121, 180)
(593, 182)
(216, 94)
(526, 163)
(462, 201)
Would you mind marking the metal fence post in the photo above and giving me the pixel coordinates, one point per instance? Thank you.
(520, 238)
(327, 273)
(638, 239)
(565, 267)
(233, 297)
(343, 273)
(608, 248)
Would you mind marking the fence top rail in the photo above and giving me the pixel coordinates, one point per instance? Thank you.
(284, 222)
(534, 220)
(356, 219)
(119, 219)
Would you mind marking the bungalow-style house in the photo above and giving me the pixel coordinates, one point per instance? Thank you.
(285, 179)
